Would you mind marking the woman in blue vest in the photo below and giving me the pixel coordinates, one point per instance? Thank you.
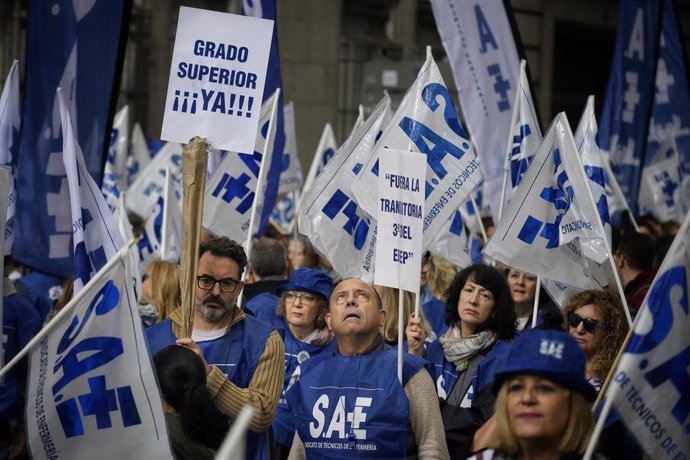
(479, 312)
(303, 305)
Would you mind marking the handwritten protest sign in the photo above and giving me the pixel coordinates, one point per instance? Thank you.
(217, 79)
(400, 219)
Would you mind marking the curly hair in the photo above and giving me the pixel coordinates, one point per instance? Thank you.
(502, 320)
(609, 306)
(223, 246)
(440, 275)
(321, 304)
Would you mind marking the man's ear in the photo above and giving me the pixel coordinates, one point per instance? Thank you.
(327, 317)
(382, 317)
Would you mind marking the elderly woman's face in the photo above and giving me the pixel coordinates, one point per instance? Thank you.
(586, 325)
(301, 308)
(538, 409)
(475, 305)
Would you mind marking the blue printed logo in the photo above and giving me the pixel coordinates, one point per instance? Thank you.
(518, 163)
(560, 197)
(355, 225)
(230, 188)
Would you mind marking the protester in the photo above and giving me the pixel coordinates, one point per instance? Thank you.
(20, 322)
(390, 302)
(397, 420)
(479, 312)
(542, 407)
(160, 286)
(268, 267)
(634, 258)
(303, 307)
(523, 290)
(437, 274)
(301, 253)
(196, 427)
(596, 320)
(246, 354)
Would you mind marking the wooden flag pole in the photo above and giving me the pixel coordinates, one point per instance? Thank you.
(194, 161)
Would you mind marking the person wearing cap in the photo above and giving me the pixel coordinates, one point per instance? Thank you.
(302, 308)
(543, 400)
(351, 404)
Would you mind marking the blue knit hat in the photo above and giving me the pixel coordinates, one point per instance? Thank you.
(553, 355)
(309, 280)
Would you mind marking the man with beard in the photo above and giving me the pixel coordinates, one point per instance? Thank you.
(243, 356)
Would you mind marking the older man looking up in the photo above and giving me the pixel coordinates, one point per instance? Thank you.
(351, 403)
(243, 356)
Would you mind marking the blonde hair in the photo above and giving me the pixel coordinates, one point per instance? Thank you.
(575, 437)
(613, 321)
(389, 302)
(165, 287)
(440, 275)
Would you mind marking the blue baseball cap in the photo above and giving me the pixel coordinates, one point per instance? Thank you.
(309, 280)
(553, 355)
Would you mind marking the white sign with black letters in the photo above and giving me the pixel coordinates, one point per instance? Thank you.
(217, 79)
(400, 219)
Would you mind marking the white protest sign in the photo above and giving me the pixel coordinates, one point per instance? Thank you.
(400, 219)
(217, 79)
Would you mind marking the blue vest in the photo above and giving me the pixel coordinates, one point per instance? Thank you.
(444, 374)
(236, 354)
(263, 306)
(296, 352)
(20, 322)
(353, 406)
(435, 314)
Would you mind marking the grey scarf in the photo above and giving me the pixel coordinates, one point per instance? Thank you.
(459, 350)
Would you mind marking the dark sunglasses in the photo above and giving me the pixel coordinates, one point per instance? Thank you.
(590, 324)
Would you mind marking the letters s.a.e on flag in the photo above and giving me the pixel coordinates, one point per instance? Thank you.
(290, 167)
(426, 122)
(400, 220)
(671, 107)
(650, 385)
(10, 121)
(96, 238)
(139, 155)
(217, 79)
(452, 243)
(550, 212)
(231, 191)
(143, 194)
(481, 49)
(525, 137)
(78, 46)
(91, 390)
(324, 152)
(330, 216)
(625, 116)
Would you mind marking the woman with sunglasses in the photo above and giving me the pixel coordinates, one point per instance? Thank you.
(303, 306)
(596, 320)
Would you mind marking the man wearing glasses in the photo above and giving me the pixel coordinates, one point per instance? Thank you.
(243, 356)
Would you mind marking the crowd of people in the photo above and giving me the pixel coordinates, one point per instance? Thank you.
(315, 355)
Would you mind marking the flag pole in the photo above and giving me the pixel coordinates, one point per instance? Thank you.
(194, 162)
(598, 428)
(535, 308)
(164, 228)
(318, 158)
(295, 230)
(600, 224)
(235, 436)
(67, 309)
(259, 184)
(401, 305)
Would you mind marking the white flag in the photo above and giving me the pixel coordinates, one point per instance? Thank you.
(551, 211)
(479, 42)
(324, 152)
(171, 229)
(660, 189)
(126, 231)
(452, 242)
(96, 237)
(231, 191)
(291, 169)
(143, 194)
(115, 172)
(139, 155)
(91, 387)
(650, 385)
(525, 135)
(330, 216)
(426, 122)
(10, 119)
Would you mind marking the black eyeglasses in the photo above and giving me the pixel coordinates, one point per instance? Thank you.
(207, 283)
(590, 324)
